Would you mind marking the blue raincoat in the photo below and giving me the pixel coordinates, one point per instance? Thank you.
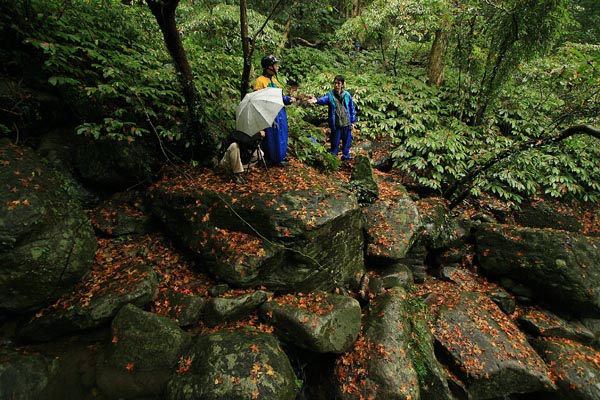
(339, 132)
(276, 137)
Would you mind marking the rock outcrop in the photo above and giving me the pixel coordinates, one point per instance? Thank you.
(557, 267)
(145, 350)
(287, 236)
(319, 322)
(239, 364)
(290, 284)
(47, 243)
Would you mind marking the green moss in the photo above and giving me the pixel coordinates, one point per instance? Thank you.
(38, 253)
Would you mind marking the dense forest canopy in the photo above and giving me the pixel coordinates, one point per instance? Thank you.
(473, 96)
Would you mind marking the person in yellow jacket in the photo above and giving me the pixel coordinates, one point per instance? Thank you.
(276, 137)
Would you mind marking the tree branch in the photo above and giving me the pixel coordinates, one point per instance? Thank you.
(466, 181)
(267, 20)
(248, 44)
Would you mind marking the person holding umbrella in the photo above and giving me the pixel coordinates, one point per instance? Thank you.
(256, 112)
(276, 138)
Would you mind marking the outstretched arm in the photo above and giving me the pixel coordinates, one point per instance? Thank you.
(321, 100)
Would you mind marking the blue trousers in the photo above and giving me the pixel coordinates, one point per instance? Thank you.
(345, 134)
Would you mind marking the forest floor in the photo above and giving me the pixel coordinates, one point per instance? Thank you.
(177, 272)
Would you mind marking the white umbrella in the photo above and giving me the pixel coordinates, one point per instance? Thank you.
(258, 110)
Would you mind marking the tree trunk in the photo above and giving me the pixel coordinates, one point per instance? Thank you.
(248, 43)
(247, 49)
(288, 24)
(435, 71)
(356, 8)
(164, 12)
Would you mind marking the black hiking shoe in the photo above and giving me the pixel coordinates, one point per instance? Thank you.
(238, 178)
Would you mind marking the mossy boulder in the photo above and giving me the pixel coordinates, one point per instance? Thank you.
(47, 243)
(293, 233)
(144, 351)
(239, 364)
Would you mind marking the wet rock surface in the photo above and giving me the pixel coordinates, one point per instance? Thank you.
(289, 290)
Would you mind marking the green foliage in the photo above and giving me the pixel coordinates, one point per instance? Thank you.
(402, 108)
(313, 21)
(305, 65)
(108, 61)
(548, 95)
(571, 170)
(307, 143)
(497, 39)
(386, 106)
(390, 26)
(434, 148)
(316, 20)
(217, 30)
(568, 81)
(217, 79)
(109, 64)
(586, 29)
(212, 40)
(438, 156)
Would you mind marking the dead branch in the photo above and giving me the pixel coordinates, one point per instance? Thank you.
(466, 181)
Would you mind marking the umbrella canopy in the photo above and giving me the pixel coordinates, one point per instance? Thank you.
(258, 110)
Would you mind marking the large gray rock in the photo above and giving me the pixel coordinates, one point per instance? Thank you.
(379, 364)
(433, 379)
(294, 234)
(392, 225)
(188, 309)
(576, 368)
(25, 375)
(240, 364)
(57, 148)
(116, 164)
(593, 325)
(558, 267)
(121, 215)
(544, 214)
(319, 322)
(145, 350)
(91, 306)
(30, 108)
(539, 322)
(492, 356)
(362, 180)
(220, 309)
(440, 229)
(47, 243)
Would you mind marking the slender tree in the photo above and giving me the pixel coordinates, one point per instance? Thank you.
(288, 25)
(164, 12)
(356, 8)
(437, 55)
(247, 48)
(249, 43)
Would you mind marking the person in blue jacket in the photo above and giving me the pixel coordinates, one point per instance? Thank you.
(341, 118)
(276, 139)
